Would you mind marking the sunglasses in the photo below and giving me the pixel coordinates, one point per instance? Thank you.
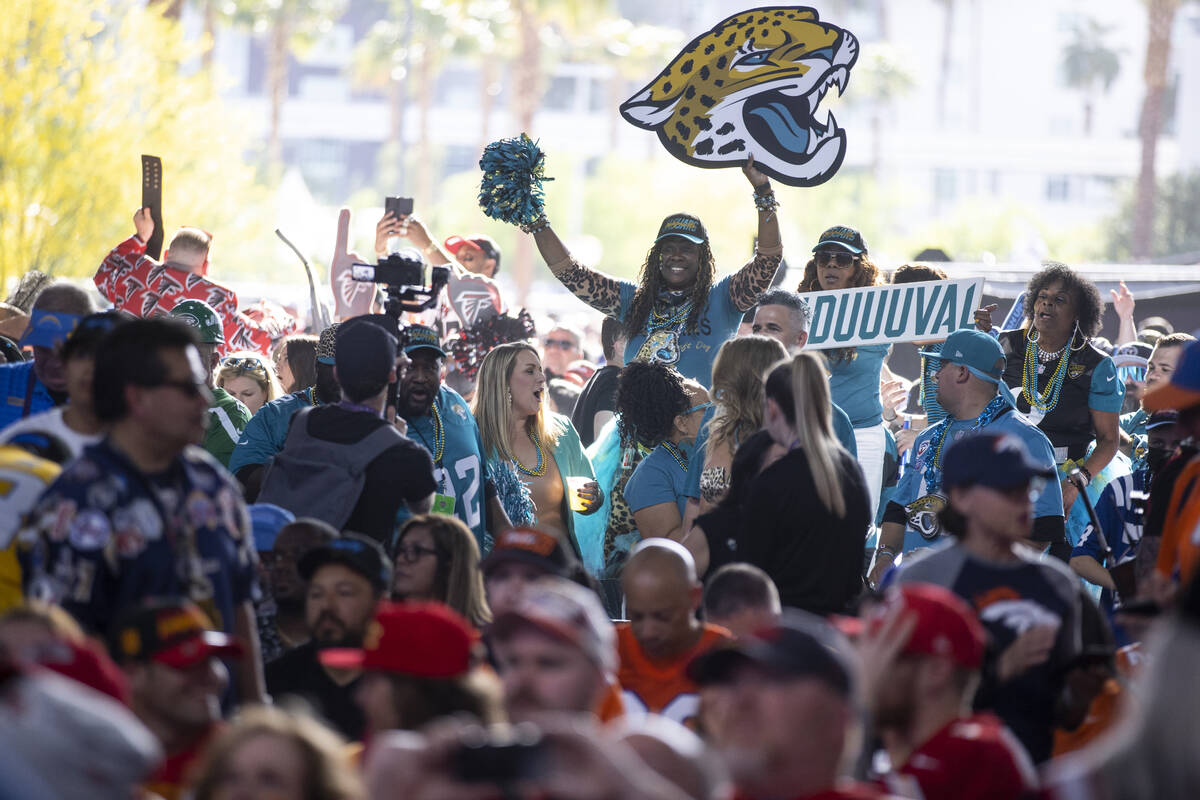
(561, 344)
(246, 365)
(1132, 374)
(700, 407)
(843, 259)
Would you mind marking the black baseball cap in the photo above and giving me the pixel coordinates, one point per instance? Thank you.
(359, 553)
(997, 461)
(800, 645)
(365, 352)
(844, 237)
(529, 546)
(685, 225)
(1158, 419)
(171, 631)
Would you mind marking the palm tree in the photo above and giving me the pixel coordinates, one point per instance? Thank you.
(943, 84)
(291, 25)
(1160, 20)
(1089, 64)
(881, 78)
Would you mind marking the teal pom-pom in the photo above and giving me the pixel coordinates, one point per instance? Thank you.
(513, 172)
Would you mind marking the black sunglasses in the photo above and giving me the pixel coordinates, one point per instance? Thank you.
(843, 259)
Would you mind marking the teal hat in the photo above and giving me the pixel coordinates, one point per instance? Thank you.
(980, 353)
(201, 316)
(422, 337)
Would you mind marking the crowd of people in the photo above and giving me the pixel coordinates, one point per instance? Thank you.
(430, 552)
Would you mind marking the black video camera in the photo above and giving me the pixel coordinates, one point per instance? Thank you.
(403, 276)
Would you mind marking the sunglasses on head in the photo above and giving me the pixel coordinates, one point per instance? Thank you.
(246, 365)
(841, 257)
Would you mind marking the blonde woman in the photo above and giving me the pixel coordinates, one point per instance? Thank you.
(250, 377)
(532, 452)
(806, 516)
(737, 392)
(436, 558)
(269, 752)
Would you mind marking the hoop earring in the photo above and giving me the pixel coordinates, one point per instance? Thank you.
(1083, 344)
(1032, 334)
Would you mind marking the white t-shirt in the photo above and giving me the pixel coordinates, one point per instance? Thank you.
(51, 422)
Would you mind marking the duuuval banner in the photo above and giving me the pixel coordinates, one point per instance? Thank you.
(906, 312)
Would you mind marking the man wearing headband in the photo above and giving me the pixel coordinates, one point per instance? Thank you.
(41, 384)
(968, 375)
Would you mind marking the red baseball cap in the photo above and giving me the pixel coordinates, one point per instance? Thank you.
(484, 244)
(425, 640)
(945, 624)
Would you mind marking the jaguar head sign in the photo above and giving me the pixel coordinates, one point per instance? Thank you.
(753, 84)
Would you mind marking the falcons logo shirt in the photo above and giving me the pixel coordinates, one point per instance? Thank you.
(141, 286)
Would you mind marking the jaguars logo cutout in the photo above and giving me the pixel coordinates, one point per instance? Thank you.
(661, 347)
(752, 86)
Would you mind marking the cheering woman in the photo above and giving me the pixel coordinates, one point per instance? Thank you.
(678, 313)
(1068, 388)
(542, 447)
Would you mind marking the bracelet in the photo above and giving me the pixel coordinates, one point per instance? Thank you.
(886, 550)
(537, 226)
(1087, 475)
(766, 202)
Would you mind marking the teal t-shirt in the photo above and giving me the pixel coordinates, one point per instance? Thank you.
(266, 432)
(659, 478)
(462, 472)
(1134, 423)
(691, 354)
(854, 385)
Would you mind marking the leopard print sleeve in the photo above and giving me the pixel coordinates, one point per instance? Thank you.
(753, 279)
(601, 292)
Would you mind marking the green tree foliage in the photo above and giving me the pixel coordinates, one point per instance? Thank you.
(83, 94)
(1176, 228)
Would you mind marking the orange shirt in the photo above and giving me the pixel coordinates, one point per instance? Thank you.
(1181, 527)
(662, 687)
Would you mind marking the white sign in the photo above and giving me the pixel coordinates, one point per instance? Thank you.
(906, 312)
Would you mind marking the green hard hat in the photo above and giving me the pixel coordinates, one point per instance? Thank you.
(201, 316)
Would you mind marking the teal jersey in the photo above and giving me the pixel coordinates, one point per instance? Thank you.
(462, 472)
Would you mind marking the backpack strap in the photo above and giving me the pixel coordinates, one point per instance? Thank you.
(377, 442)
(299, 426)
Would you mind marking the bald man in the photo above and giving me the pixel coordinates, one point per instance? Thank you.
(41, 384)
(662, 595)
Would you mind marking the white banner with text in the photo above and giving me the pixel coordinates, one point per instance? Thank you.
(906, 312)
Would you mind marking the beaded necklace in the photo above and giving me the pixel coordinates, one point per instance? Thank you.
(439, 437)
(659, 319)
(539, 470)
(933, 468)
(1046, 400)
(680, 457)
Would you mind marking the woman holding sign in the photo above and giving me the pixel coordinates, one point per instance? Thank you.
(841, 261)
(1068, 388)
(678, 313)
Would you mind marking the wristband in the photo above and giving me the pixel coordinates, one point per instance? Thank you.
(537, 226)
(885, 550)
(1087, 475)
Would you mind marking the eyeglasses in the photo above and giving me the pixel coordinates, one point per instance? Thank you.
(844, 260)
(1132, 374)
(252, 365)
(561, 344)
(412, 553)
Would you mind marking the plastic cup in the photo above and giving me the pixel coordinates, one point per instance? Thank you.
(574, 484)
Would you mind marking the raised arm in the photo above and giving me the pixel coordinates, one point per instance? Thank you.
(755, 278)
(601, 292)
